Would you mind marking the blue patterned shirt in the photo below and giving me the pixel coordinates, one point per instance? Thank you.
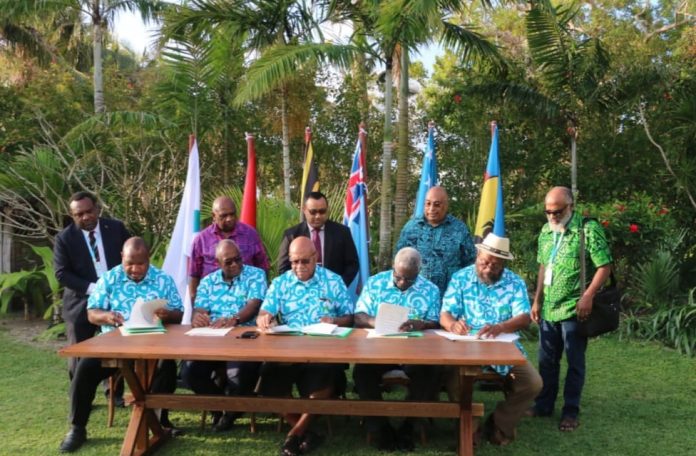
(304, 303)
(480, 304)
(116, 292)
(422, 298)
(444, 249)
(221, 299)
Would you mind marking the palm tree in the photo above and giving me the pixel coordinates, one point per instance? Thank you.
(263, 27)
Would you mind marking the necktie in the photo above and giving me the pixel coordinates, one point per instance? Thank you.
(317, 244)
(93, 245)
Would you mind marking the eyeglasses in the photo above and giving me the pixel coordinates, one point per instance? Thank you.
(317, 211)
(556, 212)
(300, 261)
(398, 278)
(231, 261)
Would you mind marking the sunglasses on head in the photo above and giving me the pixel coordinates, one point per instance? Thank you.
(231, 261)
(301, 261)
(317, 211)
(556, 212)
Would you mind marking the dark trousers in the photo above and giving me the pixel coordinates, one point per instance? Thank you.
(77, 332)
(90, 372)
(424, 385)
(554, 339)
(240, 377)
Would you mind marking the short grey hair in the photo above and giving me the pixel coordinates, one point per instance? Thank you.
(222, 244)
(409, 258)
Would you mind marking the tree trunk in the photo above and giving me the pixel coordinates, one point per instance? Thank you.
(401, 195)
(286, 145)
(98, 32)
(385, 228)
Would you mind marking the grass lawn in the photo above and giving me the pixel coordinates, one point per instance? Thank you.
(640, 399)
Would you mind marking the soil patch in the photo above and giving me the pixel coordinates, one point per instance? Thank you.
(27, 332)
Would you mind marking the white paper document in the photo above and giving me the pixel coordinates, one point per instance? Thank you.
(502, 337)
(389, 318)
(208, 332)
(322, 329)
(143, 313)
(317, 329)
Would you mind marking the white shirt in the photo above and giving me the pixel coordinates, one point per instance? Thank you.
(99, 266)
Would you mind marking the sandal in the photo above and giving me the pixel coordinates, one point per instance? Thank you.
(291, 446)
(310, 441)
(568, 424)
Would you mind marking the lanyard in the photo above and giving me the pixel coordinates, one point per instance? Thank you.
(556, 247)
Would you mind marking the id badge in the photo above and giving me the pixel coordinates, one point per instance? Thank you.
(548, 275)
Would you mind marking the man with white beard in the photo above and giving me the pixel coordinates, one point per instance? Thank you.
(558, 305)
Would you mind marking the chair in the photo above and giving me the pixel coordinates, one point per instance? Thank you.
(111, 402)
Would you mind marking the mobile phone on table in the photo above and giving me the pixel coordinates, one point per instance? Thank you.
(248, 335)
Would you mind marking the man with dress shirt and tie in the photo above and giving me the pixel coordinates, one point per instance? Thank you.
(83, 252)
(332, 241)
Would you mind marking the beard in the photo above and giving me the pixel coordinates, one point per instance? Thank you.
(489, 278)
(560, 226)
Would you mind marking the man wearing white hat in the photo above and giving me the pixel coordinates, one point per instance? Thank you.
(487, 299)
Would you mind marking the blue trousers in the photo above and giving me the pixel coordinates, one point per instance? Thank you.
(554, 339)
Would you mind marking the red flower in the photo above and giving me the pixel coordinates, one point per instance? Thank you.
(663, 211)
(457, 98)
(633, 228)
(605, 223)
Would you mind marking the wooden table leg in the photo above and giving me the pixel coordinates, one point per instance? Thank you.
(137, 440)
(466, 393)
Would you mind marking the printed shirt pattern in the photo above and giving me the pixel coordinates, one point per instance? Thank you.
(422, 298)
(221, 299)
(560, 298)
(480, 304)
(304, 303)
(203, 260)
(115, 291)
(444, 249)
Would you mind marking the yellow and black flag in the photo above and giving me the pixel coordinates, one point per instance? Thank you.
(310, 176)
(491, 216)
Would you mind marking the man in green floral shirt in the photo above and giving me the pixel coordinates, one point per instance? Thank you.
(558, 304)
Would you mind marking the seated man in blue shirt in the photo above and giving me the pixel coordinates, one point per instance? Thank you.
(305, 295)
(109, 306)
(402, 286)
(487, 299)
(226, 298)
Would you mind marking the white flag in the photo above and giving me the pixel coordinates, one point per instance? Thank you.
(185, 229)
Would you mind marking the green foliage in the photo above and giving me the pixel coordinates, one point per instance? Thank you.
(673, 325)
(655, 282)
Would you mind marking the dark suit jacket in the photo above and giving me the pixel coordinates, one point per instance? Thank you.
(74, 266)
(340, 255)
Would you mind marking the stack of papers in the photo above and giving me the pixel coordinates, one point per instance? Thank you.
(318, 329)
(142, 318)
(208, 332)
(373, 334)
(388, 320)
(502, 337)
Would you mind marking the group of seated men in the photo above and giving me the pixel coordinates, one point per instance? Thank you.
(484, 298)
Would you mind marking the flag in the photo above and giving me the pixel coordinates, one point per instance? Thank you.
(188, 223)
(355, 215)
(248, 214)
(310, 176)
(491, 216)
(428, 172)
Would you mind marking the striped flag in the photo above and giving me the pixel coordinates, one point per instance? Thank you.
(491, 216)
(428, 172)
(355, 215)
(188, 223)
(310, 176)
(248, 214)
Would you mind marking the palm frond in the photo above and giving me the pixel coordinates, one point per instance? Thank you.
(471, 45)
(280, 63)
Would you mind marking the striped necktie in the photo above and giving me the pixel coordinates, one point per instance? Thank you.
(93, 245)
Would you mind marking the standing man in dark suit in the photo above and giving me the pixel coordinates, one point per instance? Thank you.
(333, 241)
(83, 251)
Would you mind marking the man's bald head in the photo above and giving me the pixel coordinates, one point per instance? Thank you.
(135, 258)
(303, 258)
(224, 213)
(436, 205)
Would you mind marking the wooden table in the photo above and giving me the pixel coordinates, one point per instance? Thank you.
(137, 357)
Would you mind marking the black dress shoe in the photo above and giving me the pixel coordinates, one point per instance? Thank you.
(225, 423)
(310, 441)
(171, 429)
(73, 440)
(291, 446)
